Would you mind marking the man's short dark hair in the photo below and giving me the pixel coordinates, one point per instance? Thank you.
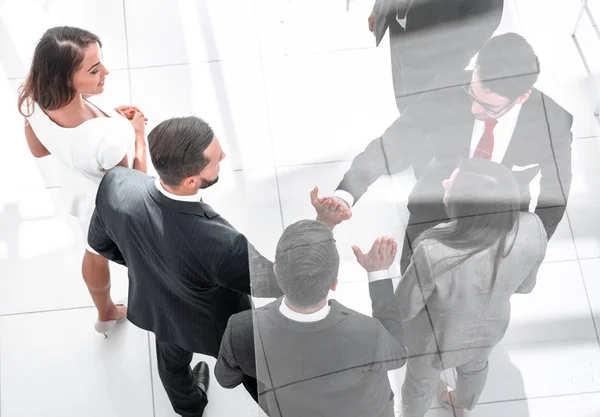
(307, 262)
(177, 148)
(508, 66)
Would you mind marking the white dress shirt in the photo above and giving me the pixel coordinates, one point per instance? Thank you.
(392, 272)
(189, 198)
(502, 133)
(301, 317)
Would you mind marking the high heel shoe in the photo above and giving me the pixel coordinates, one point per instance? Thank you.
(103, 327)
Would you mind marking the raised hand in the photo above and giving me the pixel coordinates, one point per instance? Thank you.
(330, 210)
(380, 257)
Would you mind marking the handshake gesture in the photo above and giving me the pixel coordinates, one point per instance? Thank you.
(330, 210)
(333, 210)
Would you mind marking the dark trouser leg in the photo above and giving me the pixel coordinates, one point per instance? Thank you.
(429, 49)
(396, 54)
(177, 378)
(251, 386)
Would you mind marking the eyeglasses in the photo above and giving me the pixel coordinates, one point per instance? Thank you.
(486, 107)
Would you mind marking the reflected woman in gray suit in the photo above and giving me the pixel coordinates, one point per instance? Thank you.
(452, 305)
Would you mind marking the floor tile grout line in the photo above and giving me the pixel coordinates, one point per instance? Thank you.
(131, 102)
(518, 16)
(585, 289)
(541, 397)
(572, 233)
(127, 52)
(216, 61)
(151, 376)
(587, 295)
(266, 98)
(54, 310)
(557, 261)
(545, 342)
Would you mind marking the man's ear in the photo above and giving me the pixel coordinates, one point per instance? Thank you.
(274, 268)
(334, 286)
(188, 182)
(522, 99)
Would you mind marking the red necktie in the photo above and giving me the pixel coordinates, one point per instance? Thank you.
(485, 147)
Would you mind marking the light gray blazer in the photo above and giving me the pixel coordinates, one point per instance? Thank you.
(449, 312)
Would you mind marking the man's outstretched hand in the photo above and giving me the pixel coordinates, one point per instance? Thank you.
(380, 257)
(330, 210)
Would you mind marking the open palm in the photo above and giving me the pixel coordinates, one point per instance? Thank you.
(380, 257)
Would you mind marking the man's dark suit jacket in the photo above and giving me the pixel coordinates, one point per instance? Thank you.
(434, 135)
(189, 269)
(336, 366)
(426, 14)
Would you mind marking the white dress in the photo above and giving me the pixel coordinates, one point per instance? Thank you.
(86, 151)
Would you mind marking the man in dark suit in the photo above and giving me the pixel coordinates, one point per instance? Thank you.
(189, 269)
(492, 112)
(431, 37)
(311, 357)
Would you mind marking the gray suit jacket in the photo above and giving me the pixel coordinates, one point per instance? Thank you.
(446, 317)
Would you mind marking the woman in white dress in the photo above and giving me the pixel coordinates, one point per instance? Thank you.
(87, 138)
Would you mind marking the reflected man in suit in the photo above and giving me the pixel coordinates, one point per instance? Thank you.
(492, 112)
(311, 356)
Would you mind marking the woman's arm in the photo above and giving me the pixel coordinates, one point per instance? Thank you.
(139, 125)
(140, 158)
(35, 146)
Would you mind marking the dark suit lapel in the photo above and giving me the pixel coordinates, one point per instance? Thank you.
(525, 145)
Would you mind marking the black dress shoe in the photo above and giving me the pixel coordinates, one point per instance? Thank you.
(201, 376)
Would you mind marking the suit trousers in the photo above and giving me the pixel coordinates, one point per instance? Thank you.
(420, 385)
(177, 378)
(418, 57)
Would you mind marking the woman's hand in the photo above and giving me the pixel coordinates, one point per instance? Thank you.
(139, 124)
(129, 111)
(380, 257)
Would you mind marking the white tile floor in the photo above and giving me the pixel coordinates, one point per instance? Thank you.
(293, 101)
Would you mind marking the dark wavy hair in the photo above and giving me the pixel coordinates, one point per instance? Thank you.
(483, 204)
(58, 55)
